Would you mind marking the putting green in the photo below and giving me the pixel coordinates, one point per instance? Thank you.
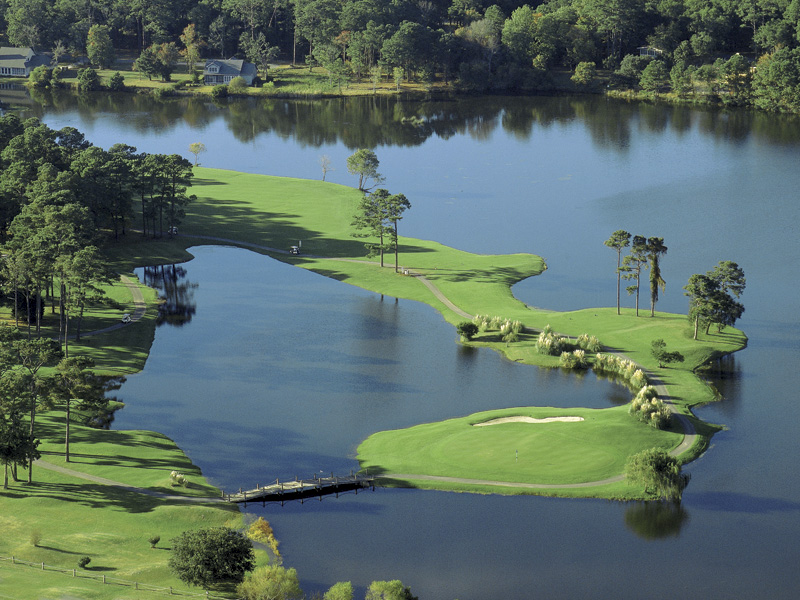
(558, 452)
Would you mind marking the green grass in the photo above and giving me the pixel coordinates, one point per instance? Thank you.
(78, 518)
(287, 81)
(548, 453)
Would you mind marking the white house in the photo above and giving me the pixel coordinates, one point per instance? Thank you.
(218, 71)
(19, 62)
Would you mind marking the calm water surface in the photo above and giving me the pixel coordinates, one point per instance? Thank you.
(316, 365)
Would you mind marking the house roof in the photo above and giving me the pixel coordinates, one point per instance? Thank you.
(21, 57)
(231, 66)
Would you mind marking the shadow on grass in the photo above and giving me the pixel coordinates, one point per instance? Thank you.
(43, 547)
(92, 495)
(493, 275)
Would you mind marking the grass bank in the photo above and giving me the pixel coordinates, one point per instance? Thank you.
(60, 518)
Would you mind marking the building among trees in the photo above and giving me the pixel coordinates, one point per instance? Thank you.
(219, 71)
(19, 62)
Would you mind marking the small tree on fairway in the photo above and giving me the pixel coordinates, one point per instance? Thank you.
(658, 472)
(632, 266)
(197, 149)
(88, 80)
(325, 165)
(655, 250)
(713, 296)
(75, 386)
(396, 205)
(467, 330)
(364, 163)
(658, 348)
(16, 444)
(619, 239)
(116, 82)
(370, 221)
(207, 556)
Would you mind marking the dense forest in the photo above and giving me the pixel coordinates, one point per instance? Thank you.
(742, 53)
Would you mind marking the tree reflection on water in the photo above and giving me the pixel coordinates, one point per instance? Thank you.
(656, 520)
(176, 295)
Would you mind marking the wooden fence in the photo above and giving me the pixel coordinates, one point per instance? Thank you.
(107, 580)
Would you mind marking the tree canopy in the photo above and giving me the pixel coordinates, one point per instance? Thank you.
(207, 556)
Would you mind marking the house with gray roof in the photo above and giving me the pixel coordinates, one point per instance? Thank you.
(217, 71)
(19, 62)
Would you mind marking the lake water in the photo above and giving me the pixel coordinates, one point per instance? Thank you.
(316, 365)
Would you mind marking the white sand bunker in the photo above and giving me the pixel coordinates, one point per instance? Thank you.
(529, 420)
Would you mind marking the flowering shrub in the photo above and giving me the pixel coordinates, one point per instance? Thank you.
(648, 408)
(590, 343)
(574, 360)
(550, 343)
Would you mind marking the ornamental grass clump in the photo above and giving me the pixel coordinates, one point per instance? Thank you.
(589, 342)
(510, 330)
(623, 368)
(549, 343)
(482, 321)
(177, 479)
(648, 408)
(574, 360)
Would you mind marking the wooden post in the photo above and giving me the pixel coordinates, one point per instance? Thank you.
(42, 566)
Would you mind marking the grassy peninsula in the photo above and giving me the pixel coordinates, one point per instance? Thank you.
(69, 517)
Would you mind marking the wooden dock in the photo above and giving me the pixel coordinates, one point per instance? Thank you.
(301, 489)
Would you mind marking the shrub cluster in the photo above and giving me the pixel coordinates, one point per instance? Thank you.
(177, 479)
(261, 531)
(624, 368)
(574, 360)
(549, 342)
(589, 342)
(509, 330)
(648, 408)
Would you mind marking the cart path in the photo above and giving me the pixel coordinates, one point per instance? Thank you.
(139, 308)
(103, 481)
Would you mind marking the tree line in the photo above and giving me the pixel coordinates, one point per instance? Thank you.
(59, 196)
(481, 44)
(713, 296)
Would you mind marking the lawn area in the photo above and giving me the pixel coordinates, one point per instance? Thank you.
(593, 449)
(285, 81)
(112, 526)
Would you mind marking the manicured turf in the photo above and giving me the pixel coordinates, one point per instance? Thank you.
(549, 453)
(76, 518)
